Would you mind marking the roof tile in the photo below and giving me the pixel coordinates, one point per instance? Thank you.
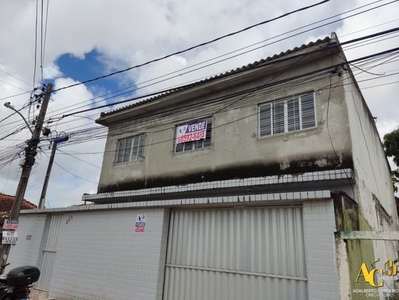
(6, 202)
(233, 71)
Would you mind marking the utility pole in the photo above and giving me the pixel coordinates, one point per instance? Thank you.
(50, 164)
(30, 153)
(56, 140)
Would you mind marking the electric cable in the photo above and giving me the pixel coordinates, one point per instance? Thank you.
(15, 77)
(41, 40)
(79, 159)
(13, 96)
(45, 29)
(133, 99)
(70, 171)
(196, 46)
(35, 51)
(238, 71)
(276, 36)
(222, 124)
(14, 86)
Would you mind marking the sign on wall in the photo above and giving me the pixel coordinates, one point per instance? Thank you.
(140, 223)
(191, 132)
(9, 237)
(10, 224)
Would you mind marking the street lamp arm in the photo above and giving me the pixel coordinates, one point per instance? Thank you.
(8, 105)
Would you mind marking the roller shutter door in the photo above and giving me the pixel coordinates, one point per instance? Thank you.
(230, 254)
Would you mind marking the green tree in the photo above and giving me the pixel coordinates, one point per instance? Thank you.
(391, 145)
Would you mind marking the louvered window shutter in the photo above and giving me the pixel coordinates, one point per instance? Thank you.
(135, 148)
(308, 111)
(293, 117)
(141, 146)
(265, 119)
(278, 117)
(287, 115)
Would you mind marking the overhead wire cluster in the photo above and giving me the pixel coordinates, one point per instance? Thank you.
(82, 135)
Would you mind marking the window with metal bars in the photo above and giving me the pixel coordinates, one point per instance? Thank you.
(286, 115)
(199, 144)
(130, 149)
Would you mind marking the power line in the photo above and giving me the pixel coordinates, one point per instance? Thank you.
(45, 32)
(239, 71)
(147, 145)
(348, 41)
(196, 46)
(135, 89)
(14, 86)
(35, 51)
(216, 99)
(160, 91)
(13, 96)
(9, 74)
(71, 172)
(275, 83)
(41, 39)
(102, 152)
(79, 159)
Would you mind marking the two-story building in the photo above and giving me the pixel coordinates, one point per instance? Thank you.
(253, 184)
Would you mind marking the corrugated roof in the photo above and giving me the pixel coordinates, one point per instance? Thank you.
(231, 72)
(6, 202)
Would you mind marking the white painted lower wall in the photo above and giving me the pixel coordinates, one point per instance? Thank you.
(321, 253)
(27, 250)
(100, 256)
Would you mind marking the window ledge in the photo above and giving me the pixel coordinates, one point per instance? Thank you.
(290, 133)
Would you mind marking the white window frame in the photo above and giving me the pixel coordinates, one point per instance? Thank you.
(272, 130)
(195, 145)
(132, 152)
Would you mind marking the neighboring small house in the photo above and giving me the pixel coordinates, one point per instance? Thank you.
(6, 202)
(265, 182)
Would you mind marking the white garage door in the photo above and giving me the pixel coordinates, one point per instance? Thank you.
(231, 254)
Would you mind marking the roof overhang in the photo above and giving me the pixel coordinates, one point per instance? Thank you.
(227, 80)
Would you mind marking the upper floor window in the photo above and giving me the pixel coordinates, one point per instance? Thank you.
(130, 149)
(193, 135)
(287, 115)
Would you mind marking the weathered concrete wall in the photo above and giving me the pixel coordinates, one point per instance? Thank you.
(371, 166)
(348, 218)
(237, 150)
(374, 188)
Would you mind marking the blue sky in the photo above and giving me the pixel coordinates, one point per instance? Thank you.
(92, 66)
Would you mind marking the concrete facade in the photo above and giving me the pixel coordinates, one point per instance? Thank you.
(237, 149)
(345, 137)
